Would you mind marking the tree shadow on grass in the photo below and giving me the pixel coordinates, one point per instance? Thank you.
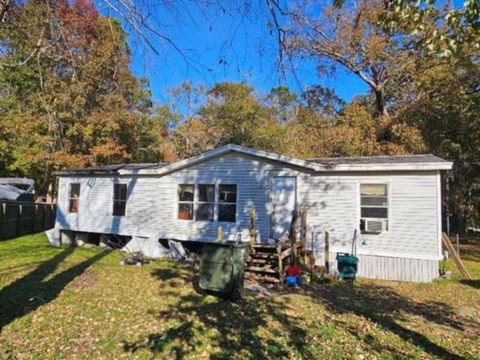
(473, 283)
(388, 309)
(31, 291)
(222, 328)
(265, 328)
(174, 272)
(232, 329)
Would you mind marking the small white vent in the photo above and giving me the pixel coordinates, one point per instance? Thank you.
(375, 225)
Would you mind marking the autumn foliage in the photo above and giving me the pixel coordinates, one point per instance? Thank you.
(69, 99)
(68, 96)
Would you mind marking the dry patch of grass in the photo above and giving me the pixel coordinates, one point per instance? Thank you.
(80, 303)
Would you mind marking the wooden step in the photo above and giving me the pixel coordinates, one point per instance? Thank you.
(260, 255)
(262, 278)
(265, 246)
(265, 258)
(262, 261)
(261, 269)
(273, 247)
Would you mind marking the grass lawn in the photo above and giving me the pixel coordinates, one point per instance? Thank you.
(80, 303)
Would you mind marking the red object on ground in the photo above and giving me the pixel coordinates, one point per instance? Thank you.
(293, 270)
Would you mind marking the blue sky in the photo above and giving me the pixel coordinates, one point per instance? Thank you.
(218, 46)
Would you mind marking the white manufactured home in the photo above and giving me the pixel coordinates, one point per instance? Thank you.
(394, 203)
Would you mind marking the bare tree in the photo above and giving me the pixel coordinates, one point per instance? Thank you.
(347, 36)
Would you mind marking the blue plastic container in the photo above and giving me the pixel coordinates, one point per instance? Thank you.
(347, 266)
(292, 280)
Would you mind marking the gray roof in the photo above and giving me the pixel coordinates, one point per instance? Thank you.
(362, 163)
(383, 159)
(109, 169)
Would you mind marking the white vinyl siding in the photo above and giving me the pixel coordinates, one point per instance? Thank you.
(153, 200)
(335, 207)
(333, 200)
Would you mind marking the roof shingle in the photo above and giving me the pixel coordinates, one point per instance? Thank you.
(383, 159)
(109, 169)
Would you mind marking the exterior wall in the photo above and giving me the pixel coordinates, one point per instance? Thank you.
(390, 267)
(413, 223)
(152, 201)
(333, 201)
(397, 268)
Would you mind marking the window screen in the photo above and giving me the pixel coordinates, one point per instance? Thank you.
(119, 199)
(73, 198)
(185, 201)
(227, 203)
(206, 202)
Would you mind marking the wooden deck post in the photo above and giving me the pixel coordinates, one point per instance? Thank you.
(327, 252)
(304, 231)
(294, 236)
(312, 257)
(280, 261)
(219, 233)
(252, 230)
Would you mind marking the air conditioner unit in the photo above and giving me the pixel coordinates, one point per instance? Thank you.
(375, 225)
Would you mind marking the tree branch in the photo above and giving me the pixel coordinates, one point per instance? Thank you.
(4, 8)
(321, 50)
(35, 50)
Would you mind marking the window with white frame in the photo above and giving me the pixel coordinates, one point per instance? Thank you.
(227, 203)
(199, 202)
(373, 208)
(73, 198)
(119, 199)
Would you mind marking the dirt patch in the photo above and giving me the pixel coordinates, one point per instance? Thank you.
(176, 282)
(172, 283)
(85, 280)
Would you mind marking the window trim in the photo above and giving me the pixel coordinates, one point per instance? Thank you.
(70, 198)
(115, 200)
(388, 207)
(178, 202)
(215, 204)
(228, 203)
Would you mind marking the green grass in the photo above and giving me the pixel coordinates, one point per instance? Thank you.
(79, 303)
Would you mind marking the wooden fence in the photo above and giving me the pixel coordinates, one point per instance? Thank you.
(22, 218)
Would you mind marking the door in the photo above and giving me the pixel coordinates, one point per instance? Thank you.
(284, 191)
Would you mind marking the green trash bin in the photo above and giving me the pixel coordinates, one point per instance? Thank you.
(222, 267)
(347, 266)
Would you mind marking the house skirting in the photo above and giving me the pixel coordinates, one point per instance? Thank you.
(391, 268)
